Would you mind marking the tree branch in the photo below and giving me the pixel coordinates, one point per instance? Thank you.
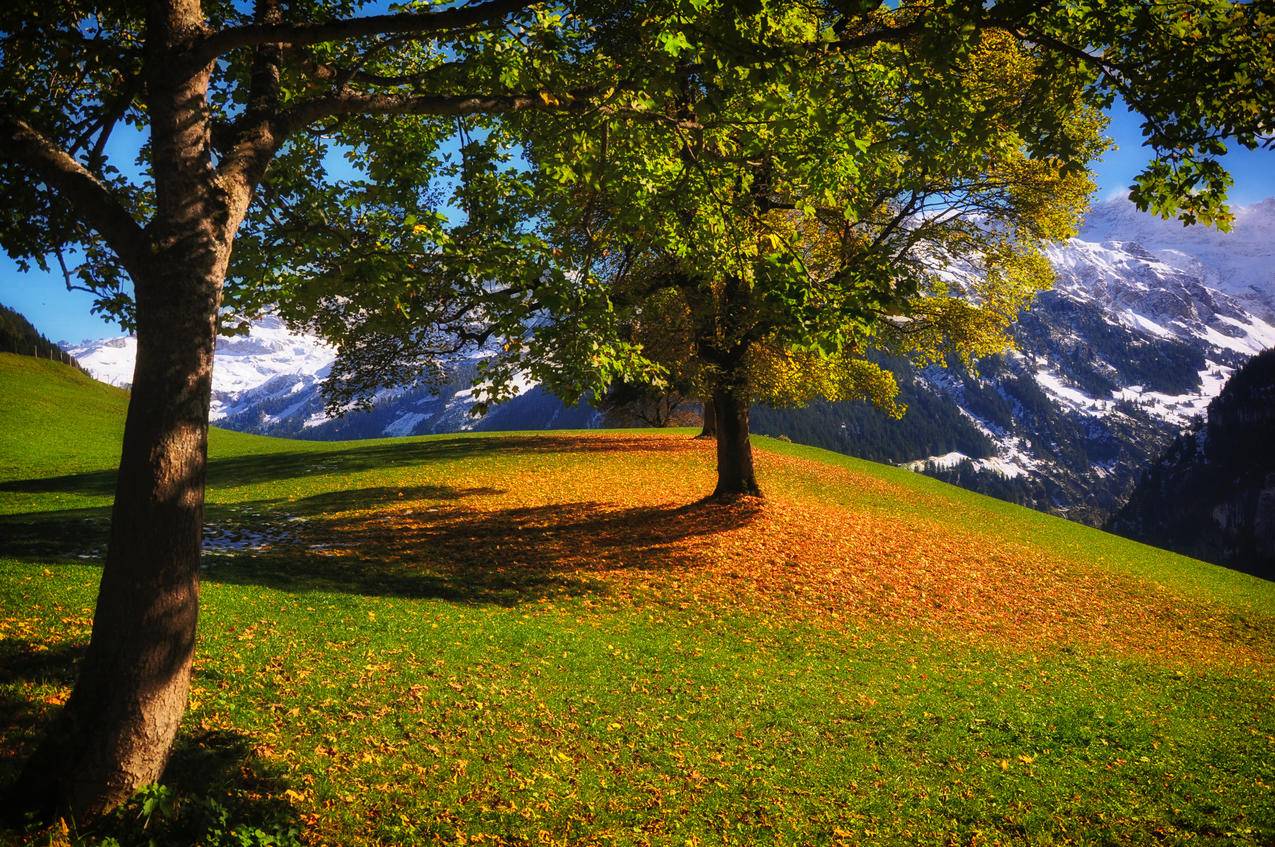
(25, 146)
(414, 23)
(307, 112)
(263, 86)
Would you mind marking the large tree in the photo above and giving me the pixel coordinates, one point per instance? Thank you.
(889, 188)
(137, 141)
(820, 179)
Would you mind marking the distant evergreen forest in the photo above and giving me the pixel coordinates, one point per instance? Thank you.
(932, 426)
(17, 335)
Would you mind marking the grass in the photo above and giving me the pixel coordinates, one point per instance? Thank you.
(542, 638)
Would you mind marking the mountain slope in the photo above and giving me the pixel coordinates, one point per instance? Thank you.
(491, 637)
(1240, 263)
(1212, 493)
(17, 335)
(1123, 352)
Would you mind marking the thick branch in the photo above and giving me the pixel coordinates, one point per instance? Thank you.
(263, 89)
(92, 200)
(412, 23)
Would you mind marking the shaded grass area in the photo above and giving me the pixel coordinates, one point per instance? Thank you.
(545, 639)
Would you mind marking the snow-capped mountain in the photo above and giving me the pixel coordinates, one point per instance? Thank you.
(269, 355)
(1145, 324)
(1130, 345)
(293, 407)
(1122, 354)
(269, 381)
(1148, 300)
(1240, 263)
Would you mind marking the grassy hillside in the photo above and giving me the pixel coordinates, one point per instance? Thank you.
(543, 638)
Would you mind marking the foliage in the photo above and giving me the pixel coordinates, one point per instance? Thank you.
(828, 158)
(157, 816)
(785, 144)
(660, 326)
(797, 378)
(805, 210)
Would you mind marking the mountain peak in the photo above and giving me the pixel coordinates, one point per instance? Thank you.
(243, 362)
(1240, 263)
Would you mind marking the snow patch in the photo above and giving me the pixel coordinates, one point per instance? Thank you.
(404, 424)
(1068, 396)
(947, 461)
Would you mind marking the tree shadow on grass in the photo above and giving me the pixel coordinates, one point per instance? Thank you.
(61, 535)
(503, 556)
(216, 779)
(227, 793)
(417, 541)
(72, 534)
(268, 467)
(25, 664)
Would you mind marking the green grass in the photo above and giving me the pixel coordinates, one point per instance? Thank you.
(532, 639)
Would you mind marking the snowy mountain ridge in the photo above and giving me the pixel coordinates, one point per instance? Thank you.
(1149, 296)
(1240, 263)
(271, 354)
(1128, 348)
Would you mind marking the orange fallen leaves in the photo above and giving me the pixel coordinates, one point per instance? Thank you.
(602, 512)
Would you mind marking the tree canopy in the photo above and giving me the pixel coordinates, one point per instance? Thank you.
(820, 180)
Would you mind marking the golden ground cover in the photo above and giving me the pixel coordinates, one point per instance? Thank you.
(563, 517)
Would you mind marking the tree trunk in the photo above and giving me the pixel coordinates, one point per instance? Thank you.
(709, 429)
(735, 475)
(117, 729)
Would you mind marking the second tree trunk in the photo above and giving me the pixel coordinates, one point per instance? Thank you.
(735, 474)
(709, 429)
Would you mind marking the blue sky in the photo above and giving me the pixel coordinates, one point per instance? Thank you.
(64, 315)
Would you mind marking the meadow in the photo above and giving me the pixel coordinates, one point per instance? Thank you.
(547, 638)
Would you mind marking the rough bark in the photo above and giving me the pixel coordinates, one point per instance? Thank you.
(118, 727)
(735, 475)
(709, 429)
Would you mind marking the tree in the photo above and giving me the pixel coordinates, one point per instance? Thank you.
(660, 326)
(139, 143)
(803, 173)
(892, 187)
